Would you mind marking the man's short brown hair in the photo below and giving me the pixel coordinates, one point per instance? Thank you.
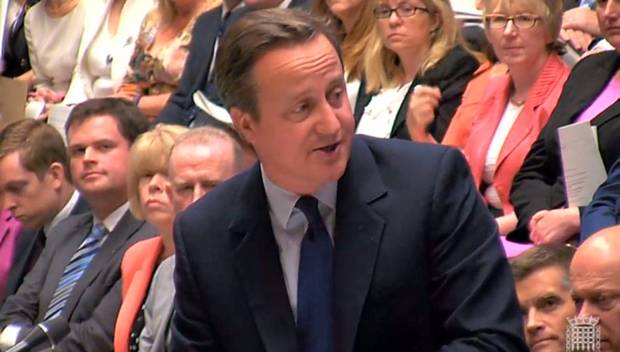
(131, 122)
(541, 257)
(253, 36)
(39, 145)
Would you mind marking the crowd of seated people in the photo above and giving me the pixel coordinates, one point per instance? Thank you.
(87, 214)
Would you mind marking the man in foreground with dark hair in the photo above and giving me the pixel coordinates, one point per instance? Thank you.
(543, 288)
(77, 276)
(332, 242)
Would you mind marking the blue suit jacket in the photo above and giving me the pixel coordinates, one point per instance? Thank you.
(604, 210)
(417, 262)
(180, 108)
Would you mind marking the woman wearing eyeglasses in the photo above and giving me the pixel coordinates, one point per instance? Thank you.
(590, 95)
(518, 104)
(415, 42)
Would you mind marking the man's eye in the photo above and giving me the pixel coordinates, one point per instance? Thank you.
(300, 108)
(335, 97)
(549, 304)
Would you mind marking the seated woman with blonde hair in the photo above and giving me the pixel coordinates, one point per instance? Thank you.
(148, 200)
(161, 50)
(416, 45)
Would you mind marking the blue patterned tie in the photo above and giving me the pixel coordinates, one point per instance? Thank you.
(314, 286)
(74, 270)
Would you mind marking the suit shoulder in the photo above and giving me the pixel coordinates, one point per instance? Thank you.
(398, 150)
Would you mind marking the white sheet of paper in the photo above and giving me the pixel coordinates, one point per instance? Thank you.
(57, 118)
(204, 104)
(582, 164)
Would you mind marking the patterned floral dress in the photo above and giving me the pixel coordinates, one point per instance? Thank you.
(158, 71)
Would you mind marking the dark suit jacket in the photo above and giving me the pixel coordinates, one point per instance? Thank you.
(604, 210)
(451, 75)
(539, 183)
(180, 108)
(25, 246)
(417, 262)
(16, 59)
(93, 304)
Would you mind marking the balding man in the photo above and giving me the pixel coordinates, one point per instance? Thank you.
(201, 159)
(595, 277)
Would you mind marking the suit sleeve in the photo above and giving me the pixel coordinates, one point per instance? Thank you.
(23, 307)
(602, 212)
(472, 291)
(191, 328)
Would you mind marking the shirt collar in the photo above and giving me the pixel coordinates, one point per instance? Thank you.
(282, 202)
(63, 213)
(114, 218)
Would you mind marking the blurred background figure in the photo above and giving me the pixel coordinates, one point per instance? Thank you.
(53, 31)
(589, 95)
(160, 53)
(517, 105)
(544, 292)
(415, 69)
(107, 44)
(14, 58)
(354, 22)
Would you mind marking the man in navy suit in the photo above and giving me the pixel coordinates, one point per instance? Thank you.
(332, 242)
(198, 73)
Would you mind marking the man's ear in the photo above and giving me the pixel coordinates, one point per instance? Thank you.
(244, 123)
(56, 175)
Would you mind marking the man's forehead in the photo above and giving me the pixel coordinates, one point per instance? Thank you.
(108, 128)
(316, 55)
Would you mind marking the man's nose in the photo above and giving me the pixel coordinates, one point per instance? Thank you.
(533, 321)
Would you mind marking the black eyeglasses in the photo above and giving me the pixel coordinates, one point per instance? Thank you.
(382, 12)
(523, 21)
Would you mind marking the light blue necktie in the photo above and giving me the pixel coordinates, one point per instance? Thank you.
(314, 287)
(75, 269)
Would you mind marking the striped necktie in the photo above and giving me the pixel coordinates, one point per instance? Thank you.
(75, 269)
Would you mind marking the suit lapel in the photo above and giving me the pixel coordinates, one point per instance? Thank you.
(258, 265)
(113, 243)
(610, 113)
(359, 229)
(596, 81)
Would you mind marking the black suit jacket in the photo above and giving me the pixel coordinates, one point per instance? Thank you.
(451, 75)
(180, 108)
(93, 305)
(16, 59)
(539, 183)
(27, 253)
(417, 262)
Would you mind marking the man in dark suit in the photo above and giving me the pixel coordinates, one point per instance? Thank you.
(197, 75)
(99, 134)
(34, 165)
(333, 242)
